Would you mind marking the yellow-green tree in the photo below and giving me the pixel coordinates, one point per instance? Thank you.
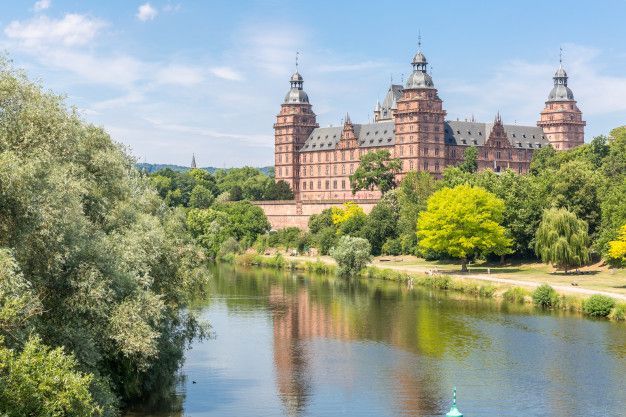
(348, 219)
(461, 222)
(617, 248)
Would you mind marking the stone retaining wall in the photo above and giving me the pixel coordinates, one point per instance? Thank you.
(288, 213)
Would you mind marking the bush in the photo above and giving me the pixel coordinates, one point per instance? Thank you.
(352, 255)
(392, 247)
(229, 247)
(515, 295)
(598, 305)
(545, 296)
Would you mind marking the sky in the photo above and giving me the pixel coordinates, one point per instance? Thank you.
(172, 78)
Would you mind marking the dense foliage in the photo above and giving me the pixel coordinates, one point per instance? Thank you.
(197, 188)
(93, 266)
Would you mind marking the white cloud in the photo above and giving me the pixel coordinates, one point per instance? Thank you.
(179, 75)
(273, 49)
(146, 12)
(226, 73)
(71, 30)
(42, 5)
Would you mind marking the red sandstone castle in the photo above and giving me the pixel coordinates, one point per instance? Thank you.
(318, 161)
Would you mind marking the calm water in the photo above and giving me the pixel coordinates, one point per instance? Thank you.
(297, 345)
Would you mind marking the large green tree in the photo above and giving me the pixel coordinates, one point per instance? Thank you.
(377, 169)
(461, 222)
(562, 239)
(91, 260)
(381, 223)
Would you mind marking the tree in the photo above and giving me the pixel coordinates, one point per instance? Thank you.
(352, 255)
(470, 160)
(382, 222)
(617, 248)
(201, 197)
(413, 193)
(349, 219)
(461, 222)
(279, 190)
(39, 381)
(562, 239)
(376, 170)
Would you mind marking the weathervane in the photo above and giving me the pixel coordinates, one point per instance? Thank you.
(419, 40)
(561, 56)
(297, 55)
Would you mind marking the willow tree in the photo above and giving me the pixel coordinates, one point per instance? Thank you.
(461, 222)
(562, 239)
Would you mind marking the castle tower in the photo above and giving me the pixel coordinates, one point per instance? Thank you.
(419, 122)
(294, 123)
(561, 119)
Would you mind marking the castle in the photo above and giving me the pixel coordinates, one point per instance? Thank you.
(411, 124)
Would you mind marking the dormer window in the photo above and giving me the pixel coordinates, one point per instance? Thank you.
(513, 134)
(475, 142)
(469, 132)
(458, 132)
(524, 136)
(480, 133)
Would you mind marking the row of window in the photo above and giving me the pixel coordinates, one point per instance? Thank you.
(326, 185)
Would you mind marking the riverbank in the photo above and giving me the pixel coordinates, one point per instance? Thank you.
(488, 285)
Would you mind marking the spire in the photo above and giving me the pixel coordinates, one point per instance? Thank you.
(347, 120)
(193, 161)
(498, 119)
(296, 94)
(297, 55)
(454, 411)
(561, 91)
(420, 77)
(419, 40)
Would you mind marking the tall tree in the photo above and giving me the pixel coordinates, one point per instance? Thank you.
(562, 239)
(376, 170)
(470, 160)
(617, 247)
(461, 222)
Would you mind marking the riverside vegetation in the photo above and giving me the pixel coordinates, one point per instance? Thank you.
(95, 270)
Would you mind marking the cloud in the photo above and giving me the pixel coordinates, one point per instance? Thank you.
(146, 12)
(273, 49)
(71, 30)
(41, 5)
(179, 75)
(132, 97)
(226, 73)
(170, 8)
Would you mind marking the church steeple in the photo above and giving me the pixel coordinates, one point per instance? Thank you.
(193, 161)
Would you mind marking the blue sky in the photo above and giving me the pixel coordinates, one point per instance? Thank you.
(172, 78)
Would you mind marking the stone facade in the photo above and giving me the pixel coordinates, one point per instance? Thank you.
(317, 162)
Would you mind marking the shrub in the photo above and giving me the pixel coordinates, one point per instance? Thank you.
(352, 255)
(326, 240)
(392, 247)
(229, 248)
(515, 295)
(545, 296)
(598, 305)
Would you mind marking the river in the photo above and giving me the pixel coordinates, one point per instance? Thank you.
(292, 344)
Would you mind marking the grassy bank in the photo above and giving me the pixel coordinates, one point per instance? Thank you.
(542, 297)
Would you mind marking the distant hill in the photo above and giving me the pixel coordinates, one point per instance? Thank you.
(150, 168)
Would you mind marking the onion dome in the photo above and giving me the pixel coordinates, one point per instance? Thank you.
(296, 94)
(419, 78)
(560, 91)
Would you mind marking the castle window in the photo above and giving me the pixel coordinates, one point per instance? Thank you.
(334, 184)
(411, 165)
(327, 170)
(437, 166)
(319, 184)
(425, 165)
(304, 185)
(327, 184)
(343, 169)
(436, 151)
(343, 184)
(351, 169)
(498, 155)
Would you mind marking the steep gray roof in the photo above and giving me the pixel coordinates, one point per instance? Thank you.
(367, 136)
(476, 134)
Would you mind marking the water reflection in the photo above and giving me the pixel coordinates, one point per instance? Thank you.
(298, 345)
